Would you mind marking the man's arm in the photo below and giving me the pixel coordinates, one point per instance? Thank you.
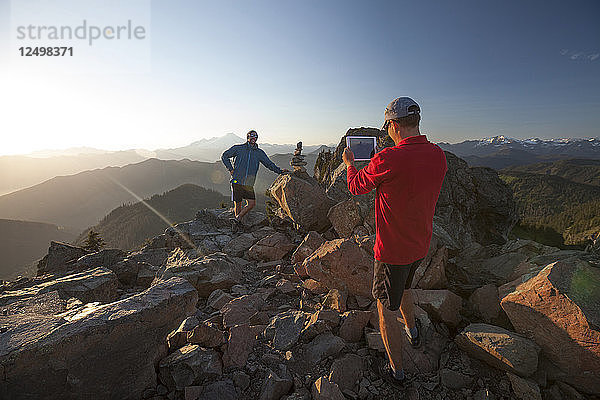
(266, 161)
(227, 154)
(365, 180)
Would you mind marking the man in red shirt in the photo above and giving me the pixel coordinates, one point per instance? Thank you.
(408, 178)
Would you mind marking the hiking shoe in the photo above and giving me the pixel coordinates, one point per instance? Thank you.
(386, 373)
(236, 225)
(416, 342)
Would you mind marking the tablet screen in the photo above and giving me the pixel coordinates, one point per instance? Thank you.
(363, 147)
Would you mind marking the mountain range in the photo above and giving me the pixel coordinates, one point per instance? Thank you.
(558, 201)
(79, 201)
(21, 171)
(24, 242)
(500, 151)
(128, 226)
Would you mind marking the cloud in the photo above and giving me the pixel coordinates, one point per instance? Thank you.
(580, 55)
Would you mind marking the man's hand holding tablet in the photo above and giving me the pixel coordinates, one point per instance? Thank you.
(359, 148)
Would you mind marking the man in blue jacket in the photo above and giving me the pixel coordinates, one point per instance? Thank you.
(243, 173)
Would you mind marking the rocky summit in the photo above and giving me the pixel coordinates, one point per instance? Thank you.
(282, 308)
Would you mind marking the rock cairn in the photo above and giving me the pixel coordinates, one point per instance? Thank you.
(298, 160)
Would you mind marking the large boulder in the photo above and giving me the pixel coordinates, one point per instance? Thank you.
(271, 248)
(109, 349)
(441, 305)
(486, 304)
(188, 366)
(239, 310)
(206, 274)
(239, 346)
(312, 241)
(559, 309)
(342, 264)
(431, 272)
(500, 348)
(517, 259)
(474, 204)
(345, 217)
(98, 284)
(302, 200)
(284, 329)
(61, 258)
(103, 258)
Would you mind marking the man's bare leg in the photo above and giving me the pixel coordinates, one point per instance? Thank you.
(407, 308)
(237, 208)
(249, 206)
(391, 334)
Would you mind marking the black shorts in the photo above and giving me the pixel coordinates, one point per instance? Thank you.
(240, 192)
(389, 282)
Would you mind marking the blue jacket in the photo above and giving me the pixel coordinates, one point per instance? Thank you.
(245, 165)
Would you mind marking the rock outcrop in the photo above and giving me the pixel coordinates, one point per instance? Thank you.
(342, 264)
(98, 284)
(302, 200)
(61, 258)
(559, 309)
(109, 350)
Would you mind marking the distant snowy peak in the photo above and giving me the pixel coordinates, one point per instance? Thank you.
(227, 139)
(503, 140)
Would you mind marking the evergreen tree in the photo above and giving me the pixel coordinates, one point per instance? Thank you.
(93, 242)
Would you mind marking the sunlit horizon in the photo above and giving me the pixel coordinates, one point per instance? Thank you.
(302, 72)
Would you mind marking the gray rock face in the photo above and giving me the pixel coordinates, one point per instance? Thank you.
(454, 380)
(271, 248)
(346, 370)
(240, 309)
(323, 346)
(61, 258)
(498, 264)
(108, 349)
(103, 258)
(47, 303)
(188, 366)
(219, 390)
(309, 244)
(303, 200)
(206, 274)
(474, 204)
(274, 386)
(238, 246)
(285, 328)
(98, 284)
(345, 216)
(337, 189)
(500, 348)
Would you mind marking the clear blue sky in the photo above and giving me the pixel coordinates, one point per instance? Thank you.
(311, 69)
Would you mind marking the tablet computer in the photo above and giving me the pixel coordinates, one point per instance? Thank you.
(363, 147)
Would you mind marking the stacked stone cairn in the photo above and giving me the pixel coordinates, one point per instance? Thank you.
(298, 160)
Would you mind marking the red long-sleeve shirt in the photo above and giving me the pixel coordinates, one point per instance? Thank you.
(408, 178)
